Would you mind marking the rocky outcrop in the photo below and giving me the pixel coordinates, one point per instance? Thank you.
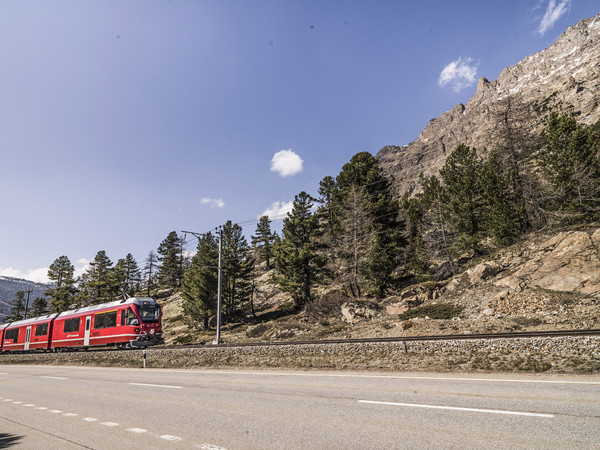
(564, 77)
(568, 262)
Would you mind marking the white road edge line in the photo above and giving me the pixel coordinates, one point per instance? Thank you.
(157, 385)
(54, 378)
(394, 377)
(457, 408)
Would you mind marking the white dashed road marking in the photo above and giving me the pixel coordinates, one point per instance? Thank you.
(210, 447)
(54, 411)
(69, 414)
(42, 408)
(90, 419)
(456, 408)
(137, 430)
(17, 403)
(29, 405)
(168, 437)
(110, 424)
(8, 400)
(55, 378)
(157, 385)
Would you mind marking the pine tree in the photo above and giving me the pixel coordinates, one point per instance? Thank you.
(438, 232)
(263, 239)
(62, 295)
(569, 161)
(460, 175)
(237, 268)
(199, 287)
(150, 270)
(39, 307)
(297, 258)
(98, 285)
(356, 239)
(502, 207)
(127, 275)
(17, 309)
(386, 246)
(170, 258)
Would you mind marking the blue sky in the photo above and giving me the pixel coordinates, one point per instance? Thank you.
(122, 121)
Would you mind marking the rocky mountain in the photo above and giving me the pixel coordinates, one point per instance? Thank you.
(565, 77)
(9, 287)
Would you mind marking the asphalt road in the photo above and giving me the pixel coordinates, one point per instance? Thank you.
(106, 408)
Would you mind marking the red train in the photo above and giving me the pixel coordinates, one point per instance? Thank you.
(135, 322)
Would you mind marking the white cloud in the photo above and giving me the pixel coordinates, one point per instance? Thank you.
(286, 163)
(82, 265)
(277, 210)
(554, 11)
(459, 74)
(36, 275)
(218, 202)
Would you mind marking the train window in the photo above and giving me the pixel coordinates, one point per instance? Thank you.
(12, 334)
(71, 325)
(149, 313)
(105, 320)
(132, 318)
(41, 329)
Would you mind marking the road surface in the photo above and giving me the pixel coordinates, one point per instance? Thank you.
(112, 408)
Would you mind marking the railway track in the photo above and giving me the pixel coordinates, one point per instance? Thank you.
(440, 337)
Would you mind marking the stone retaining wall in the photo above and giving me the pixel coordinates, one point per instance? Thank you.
(556, 354)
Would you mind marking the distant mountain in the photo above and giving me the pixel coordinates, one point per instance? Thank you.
(8, 290)
(565, 78)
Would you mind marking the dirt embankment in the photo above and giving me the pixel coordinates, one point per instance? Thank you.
(548, 354)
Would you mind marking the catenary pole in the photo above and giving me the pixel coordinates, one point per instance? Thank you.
(219, 300)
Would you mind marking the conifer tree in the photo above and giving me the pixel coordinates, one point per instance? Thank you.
(460, 175)
(127, 275)
(237, 268)
(98, 285)
(150, 270)
(356, 239)
(297, 258)
(39, 307)
(569, 161)
(199, 287)
(170, 270)
(502, 207)
(62, 294)
(386, 247)
(262, 240)
(17, 309)
(438, 232)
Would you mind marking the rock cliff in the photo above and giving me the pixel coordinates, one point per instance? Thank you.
(564, 77)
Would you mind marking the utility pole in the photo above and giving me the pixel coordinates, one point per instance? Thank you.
(218, 339)
(219, 300)
(27, 303)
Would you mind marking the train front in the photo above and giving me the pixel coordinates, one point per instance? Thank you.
(149, 331)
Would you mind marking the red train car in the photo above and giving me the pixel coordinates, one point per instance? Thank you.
(135, 322)
(2, 328)
(28, 334)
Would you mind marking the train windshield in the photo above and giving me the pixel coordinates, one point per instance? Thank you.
(149, 313)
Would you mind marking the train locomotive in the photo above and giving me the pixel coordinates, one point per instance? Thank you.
(130, 323)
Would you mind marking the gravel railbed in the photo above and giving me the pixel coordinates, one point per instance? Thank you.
(541, 354)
